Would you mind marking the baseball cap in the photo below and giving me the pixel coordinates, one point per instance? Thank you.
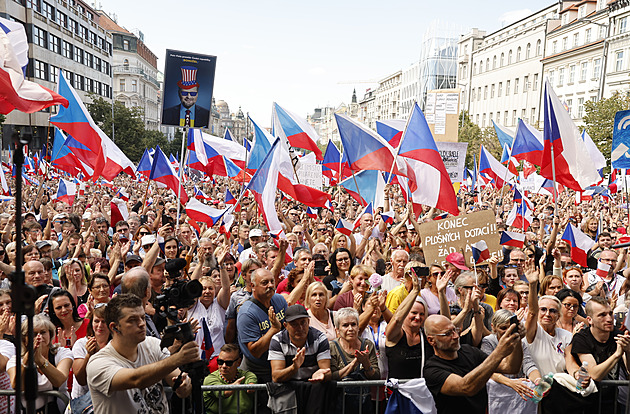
(159, 261)
(255, 233)
(43, 243)
(133, 258)
(457, 260)
(295, 312)
(60, 216)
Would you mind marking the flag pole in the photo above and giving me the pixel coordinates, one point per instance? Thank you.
(358, 189)
(391, 171)
(553, 172)
(181, 169)
(507, 170)
(246, 153)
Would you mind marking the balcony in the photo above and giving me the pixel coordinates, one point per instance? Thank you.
(134, 70)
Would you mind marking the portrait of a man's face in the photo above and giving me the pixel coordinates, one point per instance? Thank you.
(188, 96)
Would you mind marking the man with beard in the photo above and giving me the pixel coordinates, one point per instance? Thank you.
(457, 375)
(258, 320)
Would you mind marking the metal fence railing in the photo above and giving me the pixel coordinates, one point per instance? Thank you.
(50, 393)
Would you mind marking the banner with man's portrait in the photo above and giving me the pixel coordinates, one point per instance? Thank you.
(188, 86)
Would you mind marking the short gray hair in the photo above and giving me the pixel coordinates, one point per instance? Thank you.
(501, 317)
(553, 298)
(346, 313)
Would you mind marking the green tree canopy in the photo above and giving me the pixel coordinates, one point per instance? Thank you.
(475, 137)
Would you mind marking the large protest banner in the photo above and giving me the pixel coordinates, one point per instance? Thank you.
(456, 234)
(454, 156)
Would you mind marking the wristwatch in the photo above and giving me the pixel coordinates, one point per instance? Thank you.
(45, 364)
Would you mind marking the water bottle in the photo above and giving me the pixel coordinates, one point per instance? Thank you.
(582, 376)
(542, 387)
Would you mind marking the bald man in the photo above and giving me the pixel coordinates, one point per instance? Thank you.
(457, 374)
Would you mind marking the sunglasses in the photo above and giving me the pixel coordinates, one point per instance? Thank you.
(144, 233)
(437, 273)
(226, 362)
(188, 93)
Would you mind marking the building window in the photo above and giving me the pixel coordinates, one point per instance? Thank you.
(509, 57)
(576, 39)
(622, 25)
(525, 83)
(48, 11)
(580, 108)
(62, 19)
(528, 51)
(122, 85)
(552, 75)
(97, 63)
(587, 36)
(500, 91)
(487, 64)
(39, 36)
(78, 55)
(475, 69)
(523, 113)
(67, 50)
(479, 93)
(494, 62)
(53, 43)
(485, 92)
(507, 88)
(34, 4)
(52, 73)
(538, 47)
(565, 42)
(516, 86)
(602, 32)
(582, 11)
(583, 71)
(571, 73)
(505, 118)
(502, 59)
(492, 91)
(79, 82)
(93, 38)
(561, 77)
(126, 45)
(126, 63)
(570, 107)
(597, 67)
(89, 59)
(554, 47)
(134, 85)
(73, 26)
(472, 95)
(514, 117)
(518, 54)
(535, 84)
(532, 119)
(481, 67)
(40, 70)
(619, 61)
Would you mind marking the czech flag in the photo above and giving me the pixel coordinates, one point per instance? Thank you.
(440, 216)
(511, 238)
(15, 91)
(229, 198)
(492, 168)
(505, 135)
(367, 210)
(388, 217)
(162, 172)
(331, 163)
(612, 186)
(521, 216)
(344, 227)
(580, 244)
(296, 130)
(118, 210)
(228, 135)
(418, 148)
(391, 130)
(573, 164)
(370, 190)
(199, 195)
(203, 213)
(226, 224)
(145, 164)
(311, 212)
(207, 349)
(528, 143)
(480, 251)
(66, 191)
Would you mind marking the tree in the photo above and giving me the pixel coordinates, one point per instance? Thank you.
(475, 136)
(600, 118)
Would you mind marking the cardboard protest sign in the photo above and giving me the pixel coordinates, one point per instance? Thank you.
(442, 237)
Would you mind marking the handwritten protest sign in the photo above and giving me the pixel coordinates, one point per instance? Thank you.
(456, 234)
(311, 175)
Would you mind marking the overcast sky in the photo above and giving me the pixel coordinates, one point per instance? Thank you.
(302, 54)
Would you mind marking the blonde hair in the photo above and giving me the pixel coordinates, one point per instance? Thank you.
(361, 270)
(40, 320)
(311, 288)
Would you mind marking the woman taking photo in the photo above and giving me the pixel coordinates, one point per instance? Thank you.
(64, 315)
(53, 363)
(98, 336)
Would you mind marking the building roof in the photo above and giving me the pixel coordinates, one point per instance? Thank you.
(109, 24)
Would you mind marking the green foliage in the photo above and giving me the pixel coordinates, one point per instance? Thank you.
(129, 132)
(600, 118)
(475, 137)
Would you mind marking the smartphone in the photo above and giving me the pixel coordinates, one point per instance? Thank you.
(320, 268)
(514, 320)
(422, 273)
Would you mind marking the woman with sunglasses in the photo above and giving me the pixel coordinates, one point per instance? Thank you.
(341, 263)
(98, 336)
(571, 303)
(430, 291)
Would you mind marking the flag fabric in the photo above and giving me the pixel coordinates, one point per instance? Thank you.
(226, 224)
(203, 213)
(520, 216)
(331, 164)
(119, 211)
(6, 190)
(344, 227)
(528, 143)
(388, 217)
(15, 91)
(391, 130)
(580, 244)
(207, 349)
(66, 191)
(364, 148)
(296, 130)
(121, 193)
(199, 195)
(505, 155)
(367, 210)
(573, 165)
(528, 169)
(228, 135)
(520, 198)
(423, 160)
(480, 251)
(440, 216)
(162, 172)
(76, 121)
(261, 148)
(602, 269)
(612, 182)
(145, 164)
(366, 187)
(311, 212)
(229, 198)
(505, 135)
(207, 147)
(511, 238)
(596, 156)
(493, 169)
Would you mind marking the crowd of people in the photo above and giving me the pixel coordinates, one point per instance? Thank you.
(310, 309)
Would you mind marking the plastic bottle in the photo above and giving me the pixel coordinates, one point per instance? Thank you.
(582, 375)
(542, 387)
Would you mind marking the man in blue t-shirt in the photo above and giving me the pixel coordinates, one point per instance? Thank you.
(258, 320)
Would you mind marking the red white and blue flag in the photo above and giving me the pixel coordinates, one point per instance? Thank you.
(162, 172)
(580, 244)
(311, 212)
(521, 216)
(344, 227)
(388, 217)
(489, 166)
(480, 251)
(66, 191)
(367, 210)
(296, 130)
(391, 130)
(528, 143)
(511, 238)
(203, 213)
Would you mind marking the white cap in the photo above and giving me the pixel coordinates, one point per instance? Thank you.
(255, 233)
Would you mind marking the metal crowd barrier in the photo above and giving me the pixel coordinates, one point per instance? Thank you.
(50, 393)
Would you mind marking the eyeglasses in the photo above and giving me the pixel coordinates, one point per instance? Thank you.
(552, 311)
(227, 362)
(468, 287)
(483, 285)
(343, 259)
(570, 306)
(188, 93)
(517, 260)
(123, 230)
(437, 273)
(99, 305)
(450, 332)
(172, 210)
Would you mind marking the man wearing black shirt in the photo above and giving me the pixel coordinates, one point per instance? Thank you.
(602, 346)
(457, 375)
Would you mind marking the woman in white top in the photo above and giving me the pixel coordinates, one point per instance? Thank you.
(53, 362)
(321, 318)
(98, 336)
(430, 291)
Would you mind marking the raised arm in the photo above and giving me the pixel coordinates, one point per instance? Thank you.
(531, 322)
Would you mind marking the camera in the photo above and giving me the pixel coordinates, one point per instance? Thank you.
(181, 331)
(181, 294)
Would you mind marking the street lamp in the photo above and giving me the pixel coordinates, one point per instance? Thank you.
(602, 77)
